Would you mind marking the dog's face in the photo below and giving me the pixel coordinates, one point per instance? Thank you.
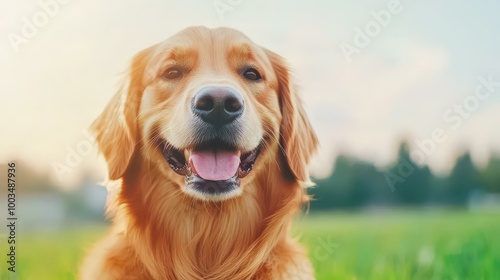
(207, 106)
(211, 110)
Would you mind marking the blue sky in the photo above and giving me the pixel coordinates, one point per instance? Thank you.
(427, 58)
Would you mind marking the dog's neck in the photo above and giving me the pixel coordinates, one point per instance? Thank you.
(206, 240)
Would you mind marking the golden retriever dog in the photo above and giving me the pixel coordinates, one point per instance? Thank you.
(207, 145)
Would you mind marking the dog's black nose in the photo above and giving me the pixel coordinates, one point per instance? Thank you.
(217, 105)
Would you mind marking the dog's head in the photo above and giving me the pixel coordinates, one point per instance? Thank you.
(211, 110)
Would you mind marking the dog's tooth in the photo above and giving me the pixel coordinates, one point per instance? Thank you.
(188, 171)
(192, 168)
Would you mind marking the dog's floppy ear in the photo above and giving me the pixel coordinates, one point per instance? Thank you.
(297, 137)
(116, 130)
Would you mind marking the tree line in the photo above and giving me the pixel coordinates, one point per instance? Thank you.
(355, 183)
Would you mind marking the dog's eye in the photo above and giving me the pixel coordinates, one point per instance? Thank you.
(252, 74)
(172, 74)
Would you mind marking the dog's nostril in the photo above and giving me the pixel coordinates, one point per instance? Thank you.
(217, 105)
(206, 103)
(233, 105)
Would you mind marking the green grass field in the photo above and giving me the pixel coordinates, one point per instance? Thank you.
(396, 245)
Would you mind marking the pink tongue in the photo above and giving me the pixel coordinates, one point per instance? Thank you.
(215, 165)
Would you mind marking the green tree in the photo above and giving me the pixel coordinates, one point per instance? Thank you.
(411, 182)
(463, 179)
(490, 175)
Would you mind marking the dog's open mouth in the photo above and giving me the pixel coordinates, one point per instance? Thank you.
(212, 171)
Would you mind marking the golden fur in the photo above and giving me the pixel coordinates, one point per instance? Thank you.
(161, 232)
